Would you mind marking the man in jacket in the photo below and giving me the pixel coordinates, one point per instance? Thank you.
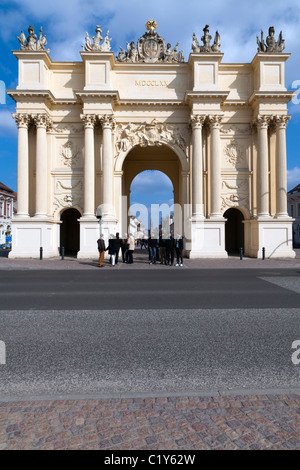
(170, 249)
(152, 245)
(101, 249)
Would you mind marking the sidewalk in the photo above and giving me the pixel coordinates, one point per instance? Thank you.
(141, 262)
(180, 423)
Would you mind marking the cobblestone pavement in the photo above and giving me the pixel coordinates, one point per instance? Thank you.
(179, 423)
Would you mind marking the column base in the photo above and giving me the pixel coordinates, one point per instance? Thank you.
(207, 239)
(274, 235)
(30, 234)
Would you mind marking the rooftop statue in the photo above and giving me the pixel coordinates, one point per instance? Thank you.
(150, 48)
(272, 45)
(96, 45)
(206, 39)
(32, 43)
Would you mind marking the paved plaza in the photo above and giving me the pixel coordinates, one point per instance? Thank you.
(168, 423)
(245, 418)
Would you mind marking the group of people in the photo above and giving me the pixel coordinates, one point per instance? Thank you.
(161, 249)
(115, 243)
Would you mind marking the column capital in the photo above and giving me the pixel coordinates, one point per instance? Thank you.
(22, 119)
(215, 120)
(42, 120)
(107, 121)
(197, 121)
(88, 120)
(281, 120)
(262, 121)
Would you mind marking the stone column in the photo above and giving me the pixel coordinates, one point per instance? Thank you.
(197, 167)
(262, 123)
(41, 122)
(22, 121)
(89, 165)
(107, 123)
(281, 166)
(215, 166)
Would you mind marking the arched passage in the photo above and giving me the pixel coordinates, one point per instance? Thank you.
(69, 231)
(234, 231)
(152, 199)
(161, 158)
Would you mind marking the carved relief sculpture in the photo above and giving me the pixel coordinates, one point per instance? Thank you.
(206, 39)
(69, 153)
(32, 43)
(149, 134)
(234, 194)
(96, 45)
(234, 153)
(150, 48)
(272, 45)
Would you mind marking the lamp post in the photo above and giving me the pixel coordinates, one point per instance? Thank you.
(99, 217)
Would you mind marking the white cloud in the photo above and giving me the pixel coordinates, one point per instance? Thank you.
(153, 182)
(7, 124)
(293, 178)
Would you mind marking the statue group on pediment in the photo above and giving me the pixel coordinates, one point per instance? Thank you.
(151, 47)
(271, 44)
(96, 45)
(32, 43)
(206, 39)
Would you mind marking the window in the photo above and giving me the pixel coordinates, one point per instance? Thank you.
(298, 209)
(292, 210)
(1, 208)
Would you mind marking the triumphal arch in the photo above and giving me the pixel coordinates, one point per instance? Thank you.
(87, 128)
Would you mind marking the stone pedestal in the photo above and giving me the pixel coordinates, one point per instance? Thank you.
(30, 234)
(89, 234)
(275, 235)
(207, 238)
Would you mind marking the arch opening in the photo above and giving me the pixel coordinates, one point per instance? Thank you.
(152, 176)
(234, 231)
(69, 231)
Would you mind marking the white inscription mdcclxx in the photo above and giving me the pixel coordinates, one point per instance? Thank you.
(154, 83)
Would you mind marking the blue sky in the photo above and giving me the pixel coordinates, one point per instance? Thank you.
(65, 24)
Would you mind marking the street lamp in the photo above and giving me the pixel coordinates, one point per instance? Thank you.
(99, 217)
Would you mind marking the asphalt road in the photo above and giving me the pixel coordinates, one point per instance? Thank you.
(75, 333)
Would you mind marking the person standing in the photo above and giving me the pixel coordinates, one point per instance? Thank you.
(112, 249)
(170, 249)
(162, 250)
(131, 247)
(152, 245)
(101, 249)
(118, 243)
(179, 249)
(124, 248)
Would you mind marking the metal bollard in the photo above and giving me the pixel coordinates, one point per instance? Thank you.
(241, 253)
(62, 252)
(41, 253)
(263, 253)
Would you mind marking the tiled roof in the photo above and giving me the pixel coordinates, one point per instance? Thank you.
(296, 189)
(6, 188)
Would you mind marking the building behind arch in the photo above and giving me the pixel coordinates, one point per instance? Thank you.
(217, 129)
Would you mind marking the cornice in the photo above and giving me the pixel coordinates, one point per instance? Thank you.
(85, 95)
(40, 95)
(267, 96)
(150, 102)
(206, 95)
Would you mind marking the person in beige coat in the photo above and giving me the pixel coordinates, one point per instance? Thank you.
(131, 247)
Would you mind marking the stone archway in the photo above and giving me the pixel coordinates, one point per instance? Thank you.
(234, 231)
(69, 231)
(161, 158)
